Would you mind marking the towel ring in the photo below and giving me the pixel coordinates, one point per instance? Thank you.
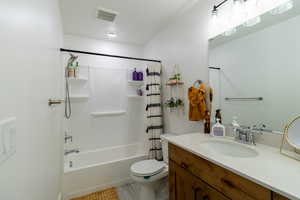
(197, 82)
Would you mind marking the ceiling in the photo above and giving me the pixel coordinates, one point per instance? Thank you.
(137, 22)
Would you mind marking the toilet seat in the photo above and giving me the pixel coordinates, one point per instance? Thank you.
(147, 168)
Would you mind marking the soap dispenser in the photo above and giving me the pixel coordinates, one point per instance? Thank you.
(218, 129)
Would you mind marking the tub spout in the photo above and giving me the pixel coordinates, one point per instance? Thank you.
(67, 152)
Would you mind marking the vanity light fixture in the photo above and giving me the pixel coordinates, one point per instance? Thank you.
(244, 12)
(214, 13)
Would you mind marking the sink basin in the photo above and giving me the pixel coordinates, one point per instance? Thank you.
(229, 148)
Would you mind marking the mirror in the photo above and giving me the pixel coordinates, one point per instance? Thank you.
(292, 133)
(290, 145)
(259, 77)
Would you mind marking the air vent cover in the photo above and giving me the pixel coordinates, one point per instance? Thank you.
(106, 14)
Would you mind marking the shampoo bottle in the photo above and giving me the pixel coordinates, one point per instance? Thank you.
(134, 75)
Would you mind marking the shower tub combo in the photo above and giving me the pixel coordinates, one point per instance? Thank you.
(95, 170)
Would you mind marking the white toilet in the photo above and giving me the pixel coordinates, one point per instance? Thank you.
(149, 173)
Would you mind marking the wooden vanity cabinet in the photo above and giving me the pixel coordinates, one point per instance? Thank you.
(276, 196)
(185, 186)
(194, 178)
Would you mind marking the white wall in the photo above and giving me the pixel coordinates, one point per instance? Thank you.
(29, 74)
(108, 90)
(265, 63)
(184, 42)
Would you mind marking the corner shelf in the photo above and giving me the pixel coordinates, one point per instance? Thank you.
(112, 113)
(78, 79)
(79, 97)
(135, 83)
(134, 97)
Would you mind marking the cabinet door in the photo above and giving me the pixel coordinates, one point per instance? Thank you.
(185, 186)
(180, 185)
(278, 196)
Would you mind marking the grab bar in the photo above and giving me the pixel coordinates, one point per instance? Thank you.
(245, 99)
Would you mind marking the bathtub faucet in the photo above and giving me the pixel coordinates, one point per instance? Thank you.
(67, 152)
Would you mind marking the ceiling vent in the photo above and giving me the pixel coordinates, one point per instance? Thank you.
(106, 14)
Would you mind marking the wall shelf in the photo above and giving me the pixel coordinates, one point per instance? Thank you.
(135, 83)
(134, 97)
(79, 97)
(78, 79)
(175, 83)
(111, 113)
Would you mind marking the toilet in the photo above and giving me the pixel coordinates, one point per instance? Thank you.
(149, 173)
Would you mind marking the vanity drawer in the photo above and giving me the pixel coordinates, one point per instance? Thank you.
(228, 183)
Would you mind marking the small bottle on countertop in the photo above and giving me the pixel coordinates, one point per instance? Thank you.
(218, 129)
(218, 116)
(207, 123)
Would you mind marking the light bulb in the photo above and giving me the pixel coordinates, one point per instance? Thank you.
(237, 5)
(251, 10)
(238, 13)
(283, 8)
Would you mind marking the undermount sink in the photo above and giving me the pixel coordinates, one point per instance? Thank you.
(229, 148)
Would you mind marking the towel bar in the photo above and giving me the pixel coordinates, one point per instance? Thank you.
(246, 99)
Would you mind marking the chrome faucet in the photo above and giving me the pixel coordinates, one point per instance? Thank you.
(247, 135)
(67, 152)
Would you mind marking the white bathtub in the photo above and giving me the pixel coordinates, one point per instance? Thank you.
(100, 169)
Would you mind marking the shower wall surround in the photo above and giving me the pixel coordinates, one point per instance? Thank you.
(108, 91)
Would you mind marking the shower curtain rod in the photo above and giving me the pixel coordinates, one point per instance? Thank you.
(108, 55)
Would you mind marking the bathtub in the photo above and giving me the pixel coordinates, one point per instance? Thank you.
(100, 169)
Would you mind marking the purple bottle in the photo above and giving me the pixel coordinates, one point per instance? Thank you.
(134, 75)
(140, 76)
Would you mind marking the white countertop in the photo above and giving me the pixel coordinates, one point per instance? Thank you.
(269, 169)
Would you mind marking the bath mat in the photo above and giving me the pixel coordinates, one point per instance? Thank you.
(109, 194)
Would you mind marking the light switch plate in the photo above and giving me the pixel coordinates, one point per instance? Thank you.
(7, 139)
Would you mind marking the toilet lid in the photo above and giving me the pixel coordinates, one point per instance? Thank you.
(147, 167)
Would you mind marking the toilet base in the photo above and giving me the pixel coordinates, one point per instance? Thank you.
(147, 191)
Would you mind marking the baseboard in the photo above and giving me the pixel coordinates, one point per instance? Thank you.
(97, 188)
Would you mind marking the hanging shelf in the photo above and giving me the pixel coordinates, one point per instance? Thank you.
(175, 83)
